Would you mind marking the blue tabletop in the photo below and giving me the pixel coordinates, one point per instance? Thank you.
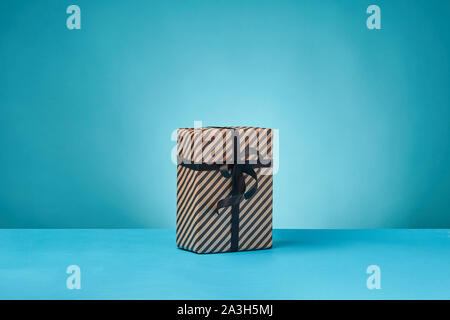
(303, 264)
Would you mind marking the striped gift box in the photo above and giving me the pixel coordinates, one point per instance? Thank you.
(224, 189)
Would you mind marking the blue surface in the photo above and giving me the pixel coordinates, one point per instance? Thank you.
(86, 115)
(145, 264)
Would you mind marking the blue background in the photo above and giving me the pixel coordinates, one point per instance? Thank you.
(86, 115)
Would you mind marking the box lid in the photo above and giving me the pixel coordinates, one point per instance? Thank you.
(216, 145)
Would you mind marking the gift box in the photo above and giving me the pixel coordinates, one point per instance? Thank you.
(224, 189)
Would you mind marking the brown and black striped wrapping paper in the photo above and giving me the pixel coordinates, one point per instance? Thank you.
(203, 153)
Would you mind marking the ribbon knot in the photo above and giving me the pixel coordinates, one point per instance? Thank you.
(238, 191)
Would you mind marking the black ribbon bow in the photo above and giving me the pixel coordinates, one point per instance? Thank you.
(238, 191)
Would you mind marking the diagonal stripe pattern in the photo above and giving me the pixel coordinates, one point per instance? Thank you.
(215, 145)
(199, 228)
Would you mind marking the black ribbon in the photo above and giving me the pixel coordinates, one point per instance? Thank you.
(238, 192)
